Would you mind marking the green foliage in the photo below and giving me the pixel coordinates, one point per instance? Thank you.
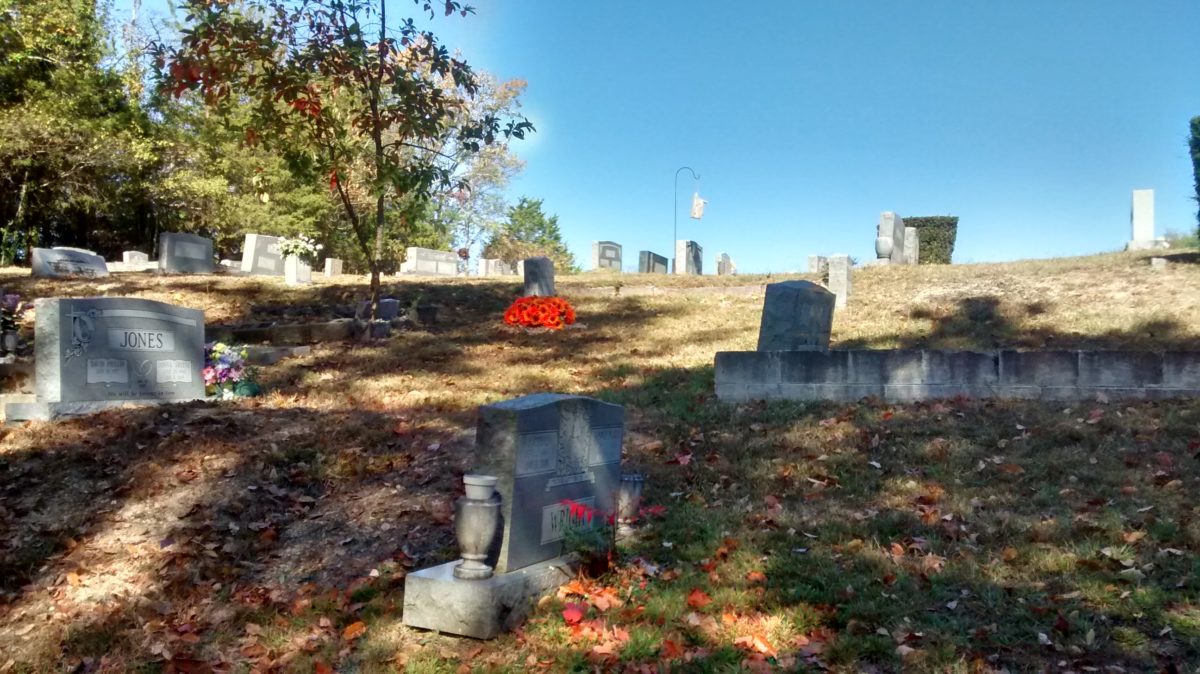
(937, 235)
(529, 232)
(1194, 146)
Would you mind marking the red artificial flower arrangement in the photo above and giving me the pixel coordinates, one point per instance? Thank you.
(540, 312)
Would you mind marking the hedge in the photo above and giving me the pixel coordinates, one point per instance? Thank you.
(936, 235)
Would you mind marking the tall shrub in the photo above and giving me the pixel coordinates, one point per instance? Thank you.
(937, 234)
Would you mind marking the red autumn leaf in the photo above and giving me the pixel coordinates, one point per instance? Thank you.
(888, 415)
(670, 650)
(697, 598)
(682, 459)
(354, 630)
(322, 668)
(573, 613)
(654, 511)
(756, 577)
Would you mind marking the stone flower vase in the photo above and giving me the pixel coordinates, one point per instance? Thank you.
(629, 501)
(883, 247)
(477, 517)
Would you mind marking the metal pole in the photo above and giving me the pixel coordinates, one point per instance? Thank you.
(675, 215)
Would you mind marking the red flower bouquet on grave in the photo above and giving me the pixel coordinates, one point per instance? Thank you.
(540, 312)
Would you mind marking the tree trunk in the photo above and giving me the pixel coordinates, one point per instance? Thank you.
(377, 256)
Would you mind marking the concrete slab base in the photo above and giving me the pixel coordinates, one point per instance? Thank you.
(435, 600)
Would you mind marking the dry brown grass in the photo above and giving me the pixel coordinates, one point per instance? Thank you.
(186, 530)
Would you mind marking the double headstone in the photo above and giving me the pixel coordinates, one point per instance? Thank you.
(651, 263)
(839, 279)
(99, 352)
(494, 267)
(606, 255)
(725, 265)
(66, 263)
(262, 255)
(889, 238)
(797, 316)
(429, 262)
(539, 277)
(185, 254)
(689, 258)
(556, 457)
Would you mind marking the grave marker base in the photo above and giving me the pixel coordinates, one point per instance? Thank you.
(483, 609)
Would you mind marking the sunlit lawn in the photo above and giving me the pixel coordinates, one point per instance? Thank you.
(955, 535)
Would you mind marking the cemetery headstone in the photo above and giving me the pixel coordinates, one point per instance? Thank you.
(725, 265)
(185, 254)
(547, 448)
(606, 255)
(134, 257)
(333, 267)
(494, 267)
(1142, 221)
(59, 263)
(652, 263)
(296, 272)
(544, 452)
(689, 258)
(1158, 263)
(817, 264)
(77, 250)
(839, 279)
(539, 277)
(889, 238)
(429, 262)
(912, 245)
(389, 308)
(262, 255)
(797, 316)
(98, 352)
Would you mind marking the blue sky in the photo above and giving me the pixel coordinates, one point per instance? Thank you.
(1031, 120)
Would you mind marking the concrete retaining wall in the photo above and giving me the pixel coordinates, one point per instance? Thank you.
(904, 375)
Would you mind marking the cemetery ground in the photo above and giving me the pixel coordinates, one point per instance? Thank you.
(273, 534)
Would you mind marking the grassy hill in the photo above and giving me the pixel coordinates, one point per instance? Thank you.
(962, 535)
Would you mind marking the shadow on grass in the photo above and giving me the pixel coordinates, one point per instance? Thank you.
(988, 322)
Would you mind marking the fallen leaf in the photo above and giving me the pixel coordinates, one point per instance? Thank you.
(354, 630)
(697, 598)
(670, 650)
(1009, 554)
(1011, 469)
(322, 668)
(573, 613)
(756, 577)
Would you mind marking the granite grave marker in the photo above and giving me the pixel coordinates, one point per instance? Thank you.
(652, 263)
(606, 255)
(539, 277)
(63, 263)
(262, 255)
(797, 316)
(180, 253)
(689, 258)
(429, 262)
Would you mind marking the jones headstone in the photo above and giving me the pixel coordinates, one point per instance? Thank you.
(606, 255)
(539, 277)
(797, 316)
(548, 448)
(61, 263)
(817, 264)
(651, 263)
(889, 238)
(262, 255)
(912, 246)
(333, 267)
(97, 352)
(429, 262)
(839, 279)
(689, 258)
(185, 254)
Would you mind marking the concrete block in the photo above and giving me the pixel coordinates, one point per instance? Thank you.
(1131, 369)
(1039, 368)
(435, 600)
(1181, 370)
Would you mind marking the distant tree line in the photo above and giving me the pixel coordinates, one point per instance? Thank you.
(227, 123)
(1194, 146)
